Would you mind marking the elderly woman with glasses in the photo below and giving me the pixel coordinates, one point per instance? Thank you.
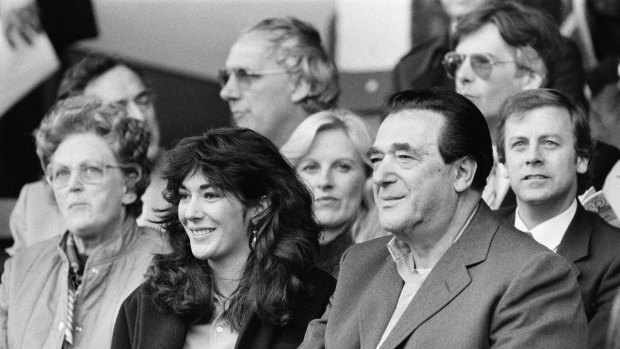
(65, 292)
(241, 273)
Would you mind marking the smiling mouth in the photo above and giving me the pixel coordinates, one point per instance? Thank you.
(199, 233)
(534, 177)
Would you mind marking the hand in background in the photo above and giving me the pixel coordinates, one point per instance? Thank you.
(20, 23)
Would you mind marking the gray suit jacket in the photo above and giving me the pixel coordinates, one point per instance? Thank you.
(593, 246)
(494, 288)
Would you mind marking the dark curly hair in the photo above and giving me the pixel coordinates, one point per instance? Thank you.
(249, 167)
(128, 138)
(92, 66)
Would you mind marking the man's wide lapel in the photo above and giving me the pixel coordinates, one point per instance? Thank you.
(379, 302)
(449, 276)
(576, 240)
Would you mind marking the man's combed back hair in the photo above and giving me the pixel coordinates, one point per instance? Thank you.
(464, 132)
(299, 50)
(532, 32)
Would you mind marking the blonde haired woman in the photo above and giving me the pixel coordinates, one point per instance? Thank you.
(328, 151)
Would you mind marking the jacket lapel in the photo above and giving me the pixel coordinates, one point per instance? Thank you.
(576, 240)
(449, 276)
(255, 334)
(379, 301)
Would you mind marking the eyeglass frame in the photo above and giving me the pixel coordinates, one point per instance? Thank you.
(82, 165)
(244, 75)
(476, 68)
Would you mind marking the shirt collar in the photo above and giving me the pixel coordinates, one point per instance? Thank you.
(550, 232)
(399, 249)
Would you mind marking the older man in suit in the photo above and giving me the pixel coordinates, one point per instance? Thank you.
(453, 275)
(544, 142)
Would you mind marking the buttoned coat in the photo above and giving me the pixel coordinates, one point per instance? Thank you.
(593, 246)
(493, 288)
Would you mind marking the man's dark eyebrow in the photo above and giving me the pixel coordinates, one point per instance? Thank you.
(402, 147)
(372, 151)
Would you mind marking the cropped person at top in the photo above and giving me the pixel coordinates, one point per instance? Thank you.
(35, 216)
(65, 292)
(244, 243)
(328, 151)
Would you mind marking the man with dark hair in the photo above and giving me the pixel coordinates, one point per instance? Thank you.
(35, 217)
(113, 81)
(544, 141)
(453, 275)
(277, 74)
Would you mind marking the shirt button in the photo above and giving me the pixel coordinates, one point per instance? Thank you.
(61, 325)
(94, 271)
(219, 329)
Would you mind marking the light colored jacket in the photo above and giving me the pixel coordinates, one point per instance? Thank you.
(33, 293)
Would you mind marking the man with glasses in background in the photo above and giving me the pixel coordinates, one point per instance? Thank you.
(501, 49)
(276, 75)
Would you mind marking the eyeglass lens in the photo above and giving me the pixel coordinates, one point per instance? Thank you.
(88, 172)
(480, 64)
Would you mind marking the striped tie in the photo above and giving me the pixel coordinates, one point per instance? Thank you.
(75, 279)
(70, 307)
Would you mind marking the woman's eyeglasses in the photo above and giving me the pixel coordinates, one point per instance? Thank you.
(91, 172)
(245, 76)
(481, 64)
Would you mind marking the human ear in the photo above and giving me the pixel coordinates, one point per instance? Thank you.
(260, 209)
(464, 170)
(129, 192)
(582, 164)
(531, 80)
(300, 91)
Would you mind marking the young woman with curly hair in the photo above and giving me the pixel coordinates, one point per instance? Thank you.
(244, 241)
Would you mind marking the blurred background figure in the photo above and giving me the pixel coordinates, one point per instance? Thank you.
(328, 150)
(277, 73)
(35, 217)
(66, 290)
(244, 241)
(421, 66)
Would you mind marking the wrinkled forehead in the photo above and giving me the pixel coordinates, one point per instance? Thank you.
(252, 50)
(486, 39)
(117, 84)
(418, 128)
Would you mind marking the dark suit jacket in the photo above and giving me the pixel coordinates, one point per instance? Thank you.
(593, 246)
(494, 287)
(140, 324)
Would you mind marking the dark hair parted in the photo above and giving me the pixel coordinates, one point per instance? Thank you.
(464, 132)
(299, 50)
(89, 68)
(128, 138)
(246, 165)
(525, 101)
(532, 32)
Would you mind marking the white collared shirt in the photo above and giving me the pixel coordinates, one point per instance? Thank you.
(215, 334)
(413, 278)
(550, 232)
